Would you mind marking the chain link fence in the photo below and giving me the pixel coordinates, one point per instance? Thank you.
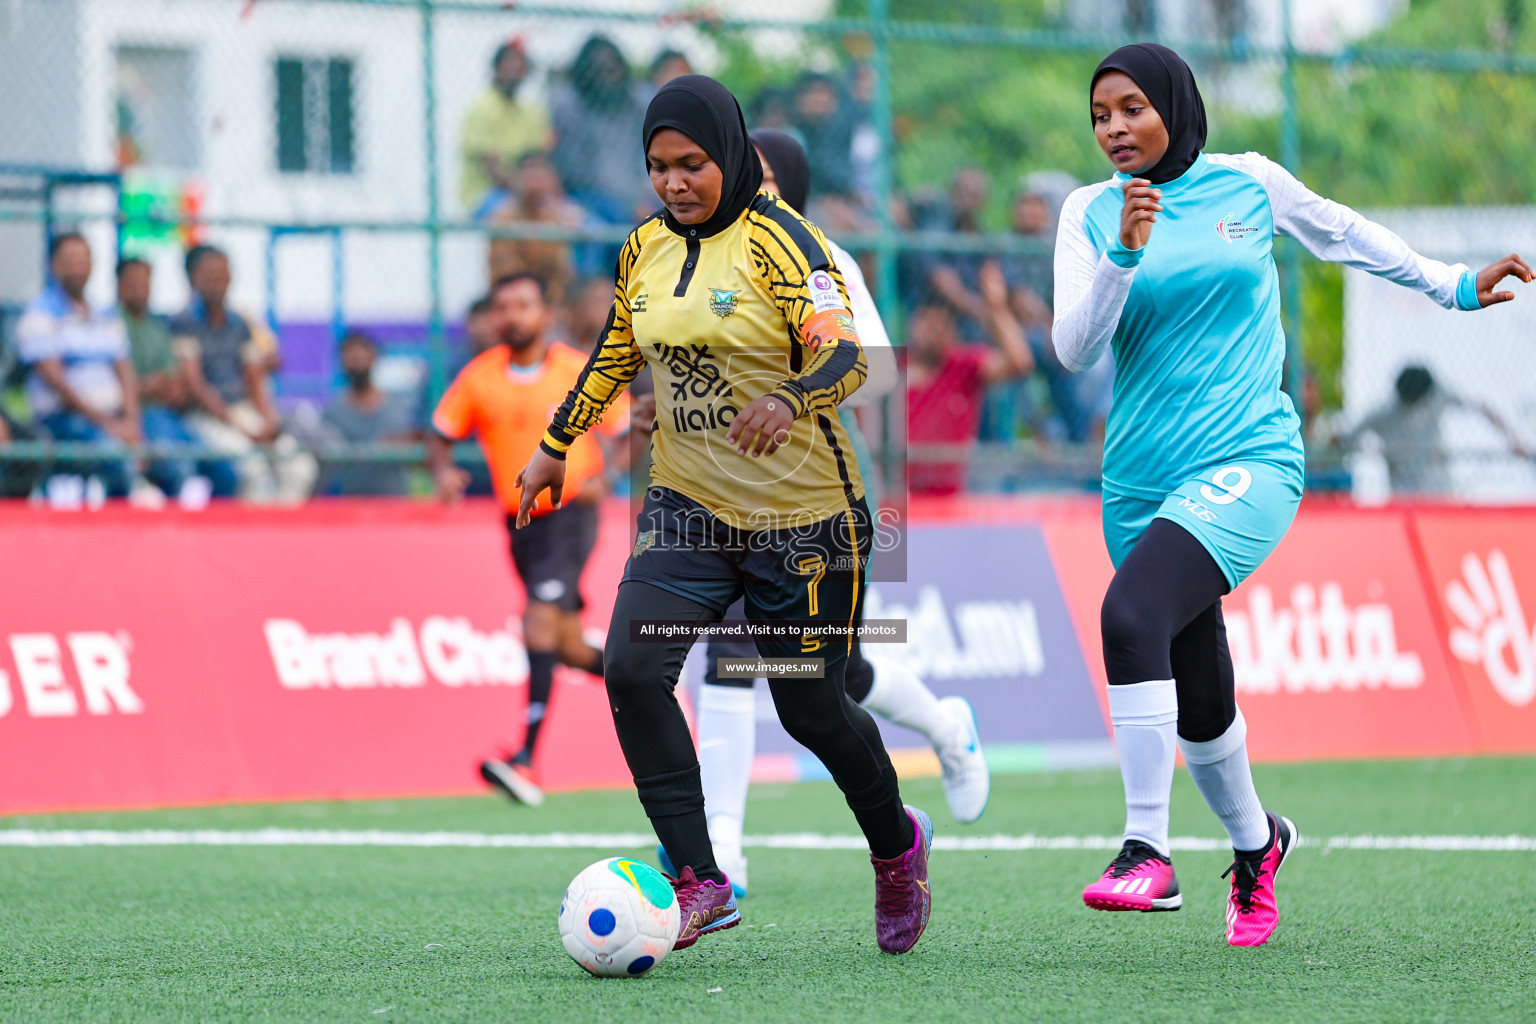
(369, 165)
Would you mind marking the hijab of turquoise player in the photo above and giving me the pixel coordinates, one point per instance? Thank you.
(1170, 87)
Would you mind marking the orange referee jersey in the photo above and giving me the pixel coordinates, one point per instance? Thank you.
(508, 406)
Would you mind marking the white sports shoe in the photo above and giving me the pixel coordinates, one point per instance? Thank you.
(967, 780)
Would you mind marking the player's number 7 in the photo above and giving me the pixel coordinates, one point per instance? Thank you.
(816, 568)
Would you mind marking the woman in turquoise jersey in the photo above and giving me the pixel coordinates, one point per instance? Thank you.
(1171, 262)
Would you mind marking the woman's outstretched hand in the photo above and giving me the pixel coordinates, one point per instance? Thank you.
(1142, 205)
(1489, 277)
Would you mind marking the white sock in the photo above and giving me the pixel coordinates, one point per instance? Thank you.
(727, 741)
(1145, 716)
(899, 695)
(1220, 769)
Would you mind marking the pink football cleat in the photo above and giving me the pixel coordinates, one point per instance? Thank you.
(1139, 879)
(1251, 909)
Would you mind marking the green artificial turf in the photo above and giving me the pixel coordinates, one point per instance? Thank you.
(381, 934)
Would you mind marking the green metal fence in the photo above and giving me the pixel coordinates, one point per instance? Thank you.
(1422, 110)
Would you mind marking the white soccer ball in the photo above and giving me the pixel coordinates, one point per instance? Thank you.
(619, 918)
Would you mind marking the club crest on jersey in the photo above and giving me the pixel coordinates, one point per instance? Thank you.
(644, 542)
(721, 302)
(1231, 229)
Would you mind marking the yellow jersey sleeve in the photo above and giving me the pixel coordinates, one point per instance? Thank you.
(614, 363)
(796, 267)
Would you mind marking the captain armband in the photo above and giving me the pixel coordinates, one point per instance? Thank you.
(831, 324)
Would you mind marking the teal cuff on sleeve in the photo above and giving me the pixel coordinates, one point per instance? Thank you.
(1466, 292)
(1120, 256)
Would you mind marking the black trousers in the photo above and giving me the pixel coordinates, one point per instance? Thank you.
(1161, 619)
(690, 567)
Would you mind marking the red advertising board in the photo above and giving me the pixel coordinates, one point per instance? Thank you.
(356, 649)
(1333, 642)
(171, 658)
(1481, 573)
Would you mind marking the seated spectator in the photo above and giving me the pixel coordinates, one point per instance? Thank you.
(539, 200)
(363, 413)
(498, 130)
(947, 381)
(228, 370)
(163, 390)
(825, 118)
(597, 112)
(80, 380)
(954, 278)
(1078, 402)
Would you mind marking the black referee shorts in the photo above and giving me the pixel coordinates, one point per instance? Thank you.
(811, 572)
(552, 550)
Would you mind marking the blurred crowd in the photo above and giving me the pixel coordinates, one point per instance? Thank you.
(183, 407)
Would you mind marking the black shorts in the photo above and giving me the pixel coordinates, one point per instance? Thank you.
(813, 572)
(552, 550)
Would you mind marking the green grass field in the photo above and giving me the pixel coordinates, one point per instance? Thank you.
(391, 933)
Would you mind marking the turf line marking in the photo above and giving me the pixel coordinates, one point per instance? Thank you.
(26, 837)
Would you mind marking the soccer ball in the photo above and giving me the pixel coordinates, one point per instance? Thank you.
(619, 918)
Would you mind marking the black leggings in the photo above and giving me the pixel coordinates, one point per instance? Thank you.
(1162, 620)
(641, 680)
(858, 678)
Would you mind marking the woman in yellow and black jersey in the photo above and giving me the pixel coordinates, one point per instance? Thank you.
(735, 303)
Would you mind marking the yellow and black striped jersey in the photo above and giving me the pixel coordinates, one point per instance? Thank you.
(759, 306)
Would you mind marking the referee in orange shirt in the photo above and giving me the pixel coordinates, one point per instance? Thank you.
(506, 396)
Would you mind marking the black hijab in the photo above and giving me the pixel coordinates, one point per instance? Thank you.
(1170, 86)
(790, 168)
(705, 111)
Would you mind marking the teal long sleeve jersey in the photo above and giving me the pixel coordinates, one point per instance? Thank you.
(1194, 315)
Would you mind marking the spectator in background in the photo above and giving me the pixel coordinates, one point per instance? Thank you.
(1079, 402)
(586, 317)
(539, 200)
(363, 413)
(80, 379)
(774, 108)
(227, 366)
(163, 391)
(479, 328)
(600, 110)
(954, 279)
(498, 130)
(1411, 436)
(668, 65)
(947, 380)
(825, 118)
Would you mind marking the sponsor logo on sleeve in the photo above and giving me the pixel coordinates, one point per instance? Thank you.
(824, 293)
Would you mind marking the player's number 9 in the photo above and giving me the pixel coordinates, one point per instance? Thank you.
(1234, 482)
